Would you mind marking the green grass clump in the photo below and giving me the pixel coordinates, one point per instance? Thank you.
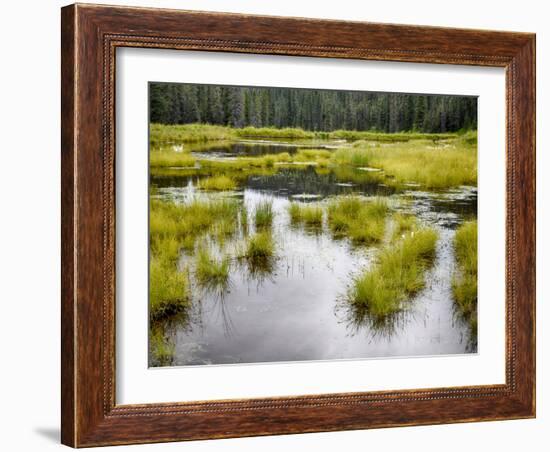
(218, 183)
(403, 223)
(161, 348)
(260, 246)
(361, 220)
(263, 215)
(168, 289)
(310, 215)
(168, 158)
(464, 283)
(210, 271)
(398, 274)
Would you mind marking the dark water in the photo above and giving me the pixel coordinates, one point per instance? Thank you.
(296, 309)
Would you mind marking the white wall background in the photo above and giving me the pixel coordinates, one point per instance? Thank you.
(29, 225)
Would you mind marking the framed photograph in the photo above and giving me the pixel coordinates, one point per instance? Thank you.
(281, 225)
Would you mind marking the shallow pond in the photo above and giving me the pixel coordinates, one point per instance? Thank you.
(296, 310)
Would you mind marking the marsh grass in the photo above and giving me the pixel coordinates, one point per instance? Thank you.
(263, 215)
(419, 161)
(174, 227)
(168, 289)
(403, 223)
(260, 247)
(161, 348)
(310, 215)
(209, 270)
(188, 133)
(464, 282)
(397, 275)
(218, 183)
(169, 158)
(361, 220)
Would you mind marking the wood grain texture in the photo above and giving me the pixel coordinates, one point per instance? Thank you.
(90, 36)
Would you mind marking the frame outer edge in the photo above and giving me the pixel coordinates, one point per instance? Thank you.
(68, 229)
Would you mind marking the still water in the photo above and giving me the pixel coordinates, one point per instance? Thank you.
(296, 310)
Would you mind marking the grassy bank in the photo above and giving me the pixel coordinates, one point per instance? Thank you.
(196, 133)
(396, 276)
(465, 281)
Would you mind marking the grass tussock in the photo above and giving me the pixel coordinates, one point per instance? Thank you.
(218, 183)
(209, 270)
(260, 247)
(464, 283)
(363, 221)
(161, 348)
(403, 223)
(398, 274)
(168, 290)
(310, 215)
(169, 158)
(263, 215)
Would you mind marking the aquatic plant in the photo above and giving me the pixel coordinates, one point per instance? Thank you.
(218, 183)
(260, 246)
(398, 274)
(169, 158)
(168, 289)
(464, 282)
(263, 215)
(311, 215)
(362, 220)
(403, 223)
(162, 350)
(210, 271)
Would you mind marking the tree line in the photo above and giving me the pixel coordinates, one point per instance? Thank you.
(309, 109)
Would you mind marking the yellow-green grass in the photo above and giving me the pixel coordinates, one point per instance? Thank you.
(418, 161)
(354, 135)
(396, 276)
(260, 247)
(272, 132)
(263, 214)
(209, 270)
(170, 158)
(218, 183)
(464, 282)
(403, 223)
(168, 289)
(362, 220)
(162, 349)
(188, 133)
(308, 214)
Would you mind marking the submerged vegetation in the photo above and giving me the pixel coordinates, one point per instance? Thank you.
(398, 273)
(465, 281)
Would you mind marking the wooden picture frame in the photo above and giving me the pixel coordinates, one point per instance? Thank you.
(90, 35)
